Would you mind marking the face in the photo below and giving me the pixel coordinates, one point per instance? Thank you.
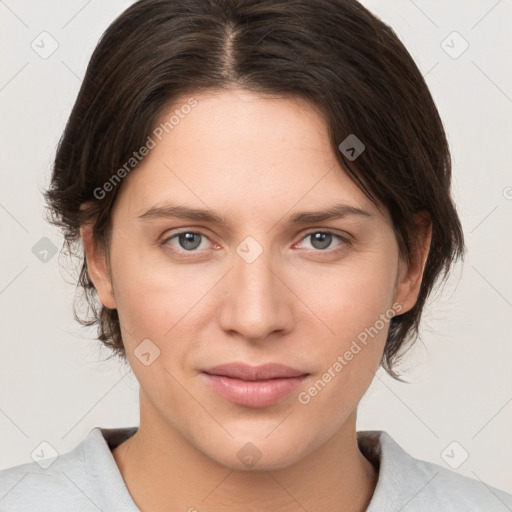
(256, 283)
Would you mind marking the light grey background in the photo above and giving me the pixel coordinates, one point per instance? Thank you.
(54, 386)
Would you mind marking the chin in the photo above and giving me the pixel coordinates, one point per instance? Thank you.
(255, 453)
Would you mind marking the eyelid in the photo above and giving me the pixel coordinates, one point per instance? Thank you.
(330, 231)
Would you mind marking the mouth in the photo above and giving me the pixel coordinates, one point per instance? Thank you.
(254, 386)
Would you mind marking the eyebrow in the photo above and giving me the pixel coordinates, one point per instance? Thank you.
(172, 210)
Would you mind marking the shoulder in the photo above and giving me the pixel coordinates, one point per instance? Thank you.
(84, 479)
(409, 484)
(452, 491)
(46, 483)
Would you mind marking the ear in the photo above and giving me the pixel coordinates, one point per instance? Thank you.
(409, 278)
(97, 267)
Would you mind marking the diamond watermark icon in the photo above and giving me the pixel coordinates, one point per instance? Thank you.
(454, 45)
(44, 45)
(44, 455)
(454, 455)
(249, 249)
(44, 250)
(146, 352)
(249, 455)
(351, 147)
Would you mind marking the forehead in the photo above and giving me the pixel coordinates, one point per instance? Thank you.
(241, 151)
(243, 124)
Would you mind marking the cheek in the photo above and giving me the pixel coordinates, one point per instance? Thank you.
(352, 311)
(357, 311)
(158, 302)
(154, 296)
(350, 297)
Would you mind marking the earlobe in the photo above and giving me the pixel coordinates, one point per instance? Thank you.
(97, 267)
(409, 276)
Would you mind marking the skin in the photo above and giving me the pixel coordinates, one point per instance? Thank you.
(254, 160)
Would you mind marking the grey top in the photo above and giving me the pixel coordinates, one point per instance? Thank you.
(88, 479)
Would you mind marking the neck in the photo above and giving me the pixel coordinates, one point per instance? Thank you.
(163, 471)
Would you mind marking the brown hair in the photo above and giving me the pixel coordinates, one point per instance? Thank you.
(333, 53)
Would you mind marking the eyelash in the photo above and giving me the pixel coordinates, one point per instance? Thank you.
(344, 241)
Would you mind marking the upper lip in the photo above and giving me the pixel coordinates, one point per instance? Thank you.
(244, 371)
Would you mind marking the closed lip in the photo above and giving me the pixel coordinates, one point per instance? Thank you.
(243, 371)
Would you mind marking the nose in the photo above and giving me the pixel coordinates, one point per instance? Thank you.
(257, 301)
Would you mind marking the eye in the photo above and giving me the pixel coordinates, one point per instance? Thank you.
(187, 241)
(322, 240)
(191, 241)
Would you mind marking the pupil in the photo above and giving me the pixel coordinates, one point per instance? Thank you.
(187, 240)
(322, 240)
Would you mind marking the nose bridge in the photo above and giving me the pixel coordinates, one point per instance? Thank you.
(254, 274)
(256, 303)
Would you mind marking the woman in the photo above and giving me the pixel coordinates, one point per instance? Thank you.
(262, 192)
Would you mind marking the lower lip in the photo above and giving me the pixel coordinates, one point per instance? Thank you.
(257, 393)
